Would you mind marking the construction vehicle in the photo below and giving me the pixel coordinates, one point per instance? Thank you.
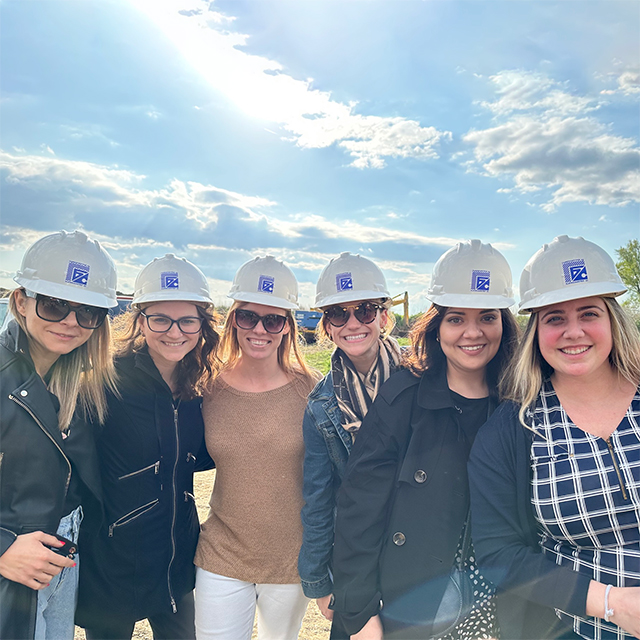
(307, 322)
(403, 299)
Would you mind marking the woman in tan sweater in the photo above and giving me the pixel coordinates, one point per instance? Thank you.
(249, 545)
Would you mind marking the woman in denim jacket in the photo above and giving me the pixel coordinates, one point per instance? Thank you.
(352, 292)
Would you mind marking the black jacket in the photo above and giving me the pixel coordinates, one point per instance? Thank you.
(505, 535)
(35, 469)
(403, 503)
(141, 561)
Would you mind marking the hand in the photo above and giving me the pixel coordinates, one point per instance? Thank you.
(625, 602)
(323, 605)
(371, 631)
(31, 563)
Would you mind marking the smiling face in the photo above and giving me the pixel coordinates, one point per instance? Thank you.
(49, 340)
(361, 342)
(258, 343)
(167, 349)
(575, 337)
(470, 338)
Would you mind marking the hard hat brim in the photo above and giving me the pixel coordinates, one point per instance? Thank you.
(472, 301)
(349, 296)
(262, 298)
(67, 292)
(168, 296)
(573, 292)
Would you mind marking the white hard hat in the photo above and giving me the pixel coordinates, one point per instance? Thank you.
(472, 275)
(70, 266)
(350, 277)
(568, 269)
(266, 281)
(170, 278)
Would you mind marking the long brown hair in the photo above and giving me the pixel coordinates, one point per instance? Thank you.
(294, 366)
(81, 376)
(195, 372)
(426, 353)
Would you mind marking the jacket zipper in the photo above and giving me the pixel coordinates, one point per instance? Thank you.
(173, 509)
(155, 466)
(26, 408)
(617, 468)
(132, 515)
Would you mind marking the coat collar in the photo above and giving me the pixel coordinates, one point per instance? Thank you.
(433, 391)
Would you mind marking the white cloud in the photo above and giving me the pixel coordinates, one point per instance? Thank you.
(545, 138)
(628, 82)
(262, 89)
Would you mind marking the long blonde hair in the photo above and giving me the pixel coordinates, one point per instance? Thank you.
(522, 381)
(294, 366)
(195, 372)
(80, 377)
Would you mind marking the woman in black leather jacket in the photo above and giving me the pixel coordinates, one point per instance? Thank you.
(404, 500)
(54, 358)
(140, 564)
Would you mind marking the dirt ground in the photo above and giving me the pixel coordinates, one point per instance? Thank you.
(314, 626)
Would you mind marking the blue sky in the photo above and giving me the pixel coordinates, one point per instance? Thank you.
(222, 130)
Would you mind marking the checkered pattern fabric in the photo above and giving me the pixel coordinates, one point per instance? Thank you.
(586, 497)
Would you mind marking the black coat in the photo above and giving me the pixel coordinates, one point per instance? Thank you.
(35, 469)
(403, 503)
(141, 561)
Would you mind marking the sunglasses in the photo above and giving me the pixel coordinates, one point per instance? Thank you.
(161, 324)
(56, 310)
(272, 322)
(365, 313)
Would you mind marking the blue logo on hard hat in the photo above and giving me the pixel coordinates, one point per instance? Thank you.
(77, 273)
(575, 271)
(344, 282)
(480, 280)
(265, 284)
(169, 280)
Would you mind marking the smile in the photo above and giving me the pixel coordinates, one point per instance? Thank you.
(360, 336)
(473, 349)
(258, 343)
(574, 351)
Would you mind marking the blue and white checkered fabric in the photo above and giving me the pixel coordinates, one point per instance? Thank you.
(586, 498)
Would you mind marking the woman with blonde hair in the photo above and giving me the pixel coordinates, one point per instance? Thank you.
(555, 474)
(55, 366)
(140, 563)
(246, 557)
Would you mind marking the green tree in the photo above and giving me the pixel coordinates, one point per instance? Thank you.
(629, 269)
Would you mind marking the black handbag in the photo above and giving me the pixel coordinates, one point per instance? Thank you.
(416, 609)
(457, 599)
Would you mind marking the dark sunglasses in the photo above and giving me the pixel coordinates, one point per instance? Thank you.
(272, 322)
(161, 324)
(365, 313)
(56, 310)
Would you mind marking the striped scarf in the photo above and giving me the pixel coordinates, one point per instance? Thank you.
(355, 392)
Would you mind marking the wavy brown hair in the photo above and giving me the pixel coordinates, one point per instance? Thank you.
(195, 372)
(426, 353)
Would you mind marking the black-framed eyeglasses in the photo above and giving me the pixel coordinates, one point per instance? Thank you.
(365, 313)
(272, 322)
(159, 323)
(56, 310)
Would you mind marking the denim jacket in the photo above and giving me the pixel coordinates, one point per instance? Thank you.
(327, 448)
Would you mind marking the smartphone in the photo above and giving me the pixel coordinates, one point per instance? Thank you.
(69, 548)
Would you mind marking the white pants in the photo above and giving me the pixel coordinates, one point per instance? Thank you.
(226, 607)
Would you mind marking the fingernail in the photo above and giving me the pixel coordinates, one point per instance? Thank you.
(75, 564)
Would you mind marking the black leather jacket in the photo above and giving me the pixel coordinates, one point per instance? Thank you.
(35, 469)
(141, 561)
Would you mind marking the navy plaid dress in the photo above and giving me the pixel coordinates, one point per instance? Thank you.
(586, 498)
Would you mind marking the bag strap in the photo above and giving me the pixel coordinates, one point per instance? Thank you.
(466, 541)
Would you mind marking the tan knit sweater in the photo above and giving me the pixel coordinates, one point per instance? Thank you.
(253, 532)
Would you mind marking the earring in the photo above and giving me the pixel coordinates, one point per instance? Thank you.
(437, 338)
